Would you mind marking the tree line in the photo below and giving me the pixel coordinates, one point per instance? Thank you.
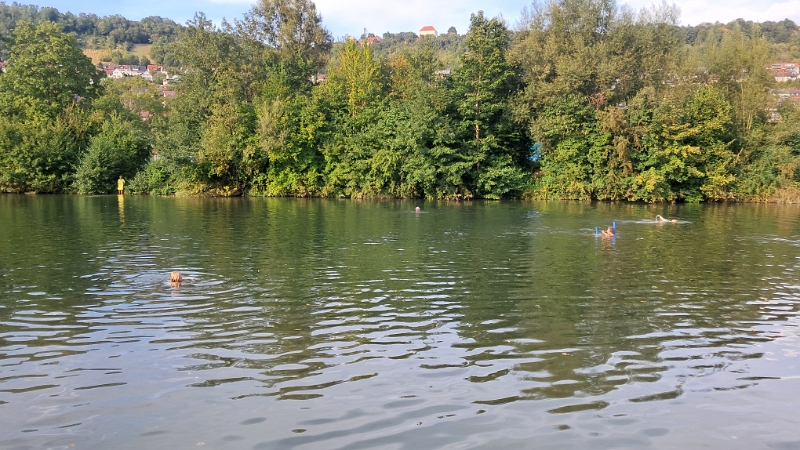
(581, 99)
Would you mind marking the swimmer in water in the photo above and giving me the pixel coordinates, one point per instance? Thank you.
(417, 209)
(175, 278)
(609, 233)
(661, 219)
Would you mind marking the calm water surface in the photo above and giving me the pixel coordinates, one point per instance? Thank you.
(338, 324)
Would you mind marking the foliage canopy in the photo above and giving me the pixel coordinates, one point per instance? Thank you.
(583, 100)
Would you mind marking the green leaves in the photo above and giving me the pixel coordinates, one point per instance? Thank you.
(292, 27)
(47, 73)
(483, 87)
(675, 150)
(44, 98)
(119, 149)
(38, 154)
(354, 76)
(584, 100)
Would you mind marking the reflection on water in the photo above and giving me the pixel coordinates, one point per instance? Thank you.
(346, 324)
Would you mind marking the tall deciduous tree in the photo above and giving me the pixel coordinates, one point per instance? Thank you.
(46, 71)
(44, 99)
(119, 149)
(482, 89)
(355, 76)
(292, 27)
(484, 81)
(592, 48)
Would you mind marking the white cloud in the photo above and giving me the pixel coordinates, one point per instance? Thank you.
(783, 10)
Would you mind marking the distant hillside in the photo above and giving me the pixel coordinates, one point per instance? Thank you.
(448, 46)
(139, 52)
(119, 40)
(783, 32)
(116, 35)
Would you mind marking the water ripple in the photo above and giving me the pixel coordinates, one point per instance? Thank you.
(320, 333)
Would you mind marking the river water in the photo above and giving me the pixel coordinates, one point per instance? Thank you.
(342, 324)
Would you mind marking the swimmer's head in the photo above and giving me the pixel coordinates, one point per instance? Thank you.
(417, 209)
(175, 277)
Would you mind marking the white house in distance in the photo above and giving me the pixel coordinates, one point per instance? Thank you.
(124, 70)
(428, 31)
(784, 72)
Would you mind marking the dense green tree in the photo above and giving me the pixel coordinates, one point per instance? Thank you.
(592, 48)
(47, 72)
(573, 148)
(38, 154)
(45, 96)
(354, 76)
(289, 136)
(349, 100)
(686, 151)
(773, 169)
(293, 28)
(208, 136)
(585, 100)
(119, 149)
(735, 62)
(493, 147)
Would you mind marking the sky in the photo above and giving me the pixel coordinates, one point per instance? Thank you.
(351, 17)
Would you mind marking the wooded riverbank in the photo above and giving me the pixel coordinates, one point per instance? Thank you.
(580, 99)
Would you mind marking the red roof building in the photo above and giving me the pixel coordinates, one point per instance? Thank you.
(428, 31)
(784, 71)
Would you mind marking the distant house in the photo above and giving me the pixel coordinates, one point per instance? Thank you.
(428, 31)
(443, 73)
(171, 80)
(157, 70)
(783, 72)
(317, 79)
(784, 95)
(108, 68)
(125, 70)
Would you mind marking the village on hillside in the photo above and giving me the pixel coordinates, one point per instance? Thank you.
(784, 73)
